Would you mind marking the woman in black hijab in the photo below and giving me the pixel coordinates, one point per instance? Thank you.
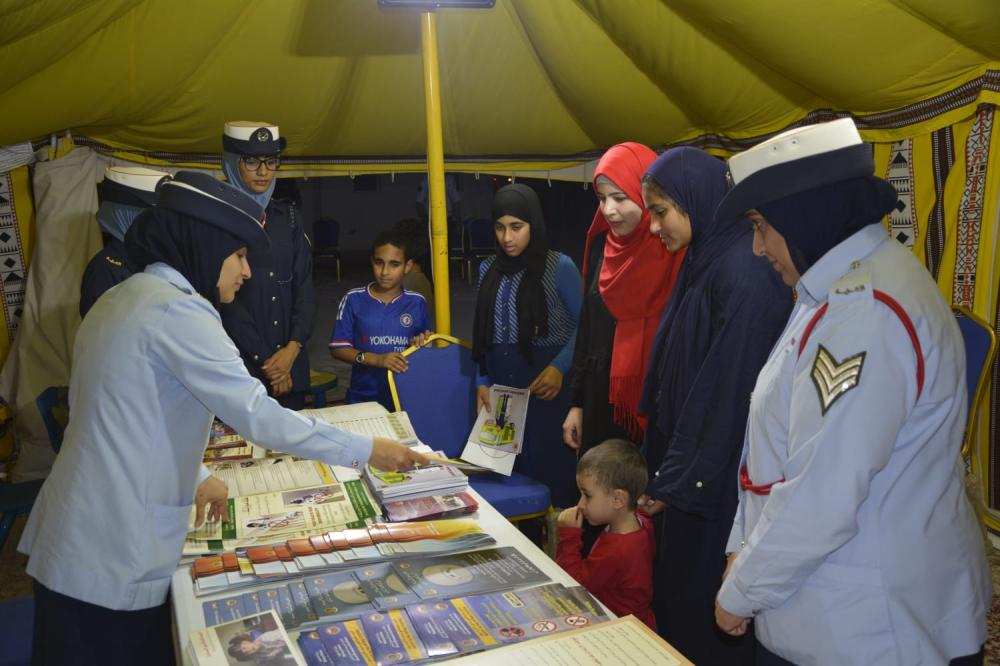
(525, 330)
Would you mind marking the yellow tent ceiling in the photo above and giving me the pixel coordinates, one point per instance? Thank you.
(562, 78)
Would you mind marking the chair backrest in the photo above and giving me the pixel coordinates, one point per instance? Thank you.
(482, 240)
(438, 393)
(326, 234)
(980, 350)
(53, 405)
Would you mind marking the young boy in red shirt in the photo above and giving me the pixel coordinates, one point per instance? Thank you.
(619, 568)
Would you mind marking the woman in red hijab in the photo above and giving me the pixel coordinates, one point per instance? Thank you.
(628, 277)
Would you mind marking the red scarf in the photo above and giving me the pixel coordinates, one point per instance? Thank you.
(635, 282)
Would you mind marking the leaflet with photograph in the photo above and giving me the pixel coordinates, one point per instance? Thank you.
(368, 418)
(260, 638)
(270, 475)
(358, 495)
(268, 515)
(498, 434)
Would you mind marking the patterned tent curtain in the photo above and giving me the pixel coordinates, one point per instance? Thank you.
(949, 183)
(17, 217)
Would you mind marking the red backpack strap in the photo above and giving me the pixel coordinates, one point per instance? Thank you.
(903, 317)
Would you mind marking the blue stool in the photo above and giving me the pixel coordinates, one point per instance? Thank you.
(319, 384)
(17, 618)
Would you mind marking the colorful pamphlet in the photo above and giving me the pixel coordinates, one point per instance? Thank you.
(498, 434)
(431, 508)
(417, 482)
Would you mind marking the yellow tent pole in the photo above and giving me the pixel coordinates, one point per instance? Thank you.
(435, 173)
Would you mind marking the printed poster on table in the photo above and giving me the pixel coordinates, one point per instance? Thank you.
(498, 434)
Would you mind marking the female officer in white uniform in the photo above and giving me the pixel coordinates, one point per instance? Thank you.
(854, 542)
(151, 366)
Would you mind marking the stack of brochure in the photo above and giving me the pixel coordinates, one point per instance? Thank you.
(225, 444)
(334, 550)
(461, 625)
(431, 508)
(387, 586)
(425, 481)
(259, 638)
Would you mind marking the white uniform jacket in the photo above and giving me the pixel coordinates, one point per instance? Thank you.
(151, 365)
(865, 550)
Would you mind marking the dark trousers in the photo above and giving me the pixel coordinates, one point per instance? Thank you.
(295, 400)
(767, 658)
(70, 632)
(690, 559)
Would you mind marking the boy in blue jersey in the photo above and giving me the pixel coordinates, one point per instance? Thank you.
(376, 323)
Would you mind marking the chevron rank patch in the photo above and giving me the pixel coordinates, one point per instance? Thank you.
(833, 379)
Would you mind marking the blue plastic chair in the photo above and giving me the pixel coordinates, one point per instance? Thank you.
(326, 241)
(53, 405)
(481, 243)
(17, 619)
(980, 350)
(438, 392)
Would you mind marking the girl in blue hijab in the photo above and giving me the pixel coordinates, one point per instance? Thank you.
(727, 309)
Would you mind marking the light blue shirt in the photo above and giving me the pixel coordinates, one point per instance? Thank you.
(151, 365)
(866, 551)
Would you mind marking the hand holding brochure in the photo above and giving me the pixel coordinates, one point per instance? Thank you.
(498, 434)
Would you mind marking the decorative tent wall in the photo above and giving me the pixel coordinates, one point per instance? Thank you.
(534, 87)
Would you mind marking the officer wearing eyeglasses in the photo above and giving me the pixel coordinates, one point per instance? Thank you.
(272, 316)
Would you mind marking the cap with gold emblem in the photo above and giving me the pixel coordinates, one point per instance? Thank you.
(245, 137)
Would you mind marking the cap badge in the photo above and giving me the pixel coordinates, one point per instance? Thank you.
(263, 134)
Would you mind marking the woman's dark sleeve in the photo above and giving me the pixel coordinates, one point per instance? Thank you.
(699, 467)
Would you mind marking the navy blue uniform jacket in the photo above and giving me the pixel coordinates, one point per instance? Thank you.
(278, 303)
(106, 269)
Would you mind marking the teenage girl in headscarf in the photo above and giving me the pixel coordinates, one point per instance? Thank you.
(524, 331)
(727, 309)
(629, 277)
(152, 364)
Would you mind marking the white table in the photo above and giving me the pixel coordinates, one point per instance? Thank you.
(187, 609)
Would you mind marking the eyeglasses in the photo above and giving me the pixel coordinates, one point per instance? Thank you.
(253, 163)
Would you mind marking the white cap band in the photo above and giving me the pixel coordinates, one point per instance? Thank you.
(793, 145)
(242, 130)
(138, 178)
